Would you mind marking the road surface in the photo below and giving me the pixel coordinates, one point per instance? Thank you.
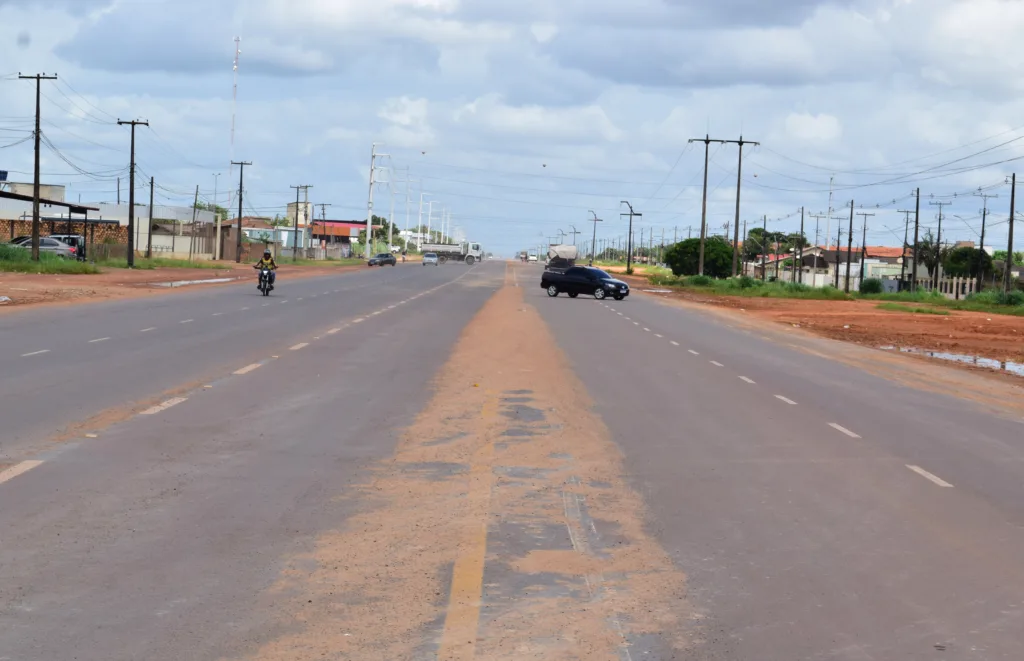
(447, 464)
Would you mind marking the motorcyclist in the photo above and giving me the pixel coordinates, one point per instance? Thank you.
(268, 262)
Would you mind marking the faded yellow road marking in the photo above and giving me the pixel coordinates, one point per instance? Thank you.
(458, 640)
(19, 469)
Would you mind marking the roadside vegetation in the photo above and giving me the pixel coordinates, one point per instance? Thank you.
(162, 263)
(19, 260)
(900, 307)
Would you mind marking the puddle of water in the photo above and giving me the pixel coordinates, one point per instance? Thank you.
(1007, 366)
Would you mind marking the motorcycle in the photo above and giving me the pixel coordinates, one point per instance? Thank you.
(265, 285)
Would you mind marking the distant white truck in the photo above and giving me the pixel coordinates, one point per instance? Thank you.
(467, 252)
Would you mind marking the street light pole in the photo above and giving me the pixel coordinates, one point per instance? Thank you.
(629, 239)
(593, 240)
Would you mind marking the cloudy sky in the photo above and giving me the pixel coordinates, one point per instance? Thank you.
(521, 117)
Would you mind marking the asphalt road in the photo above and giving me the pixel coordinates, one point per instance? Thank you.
(159, 538)
(75, 362)
(818, 511)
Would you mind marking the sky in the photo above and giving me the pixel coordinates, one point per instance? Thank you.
(521, 118)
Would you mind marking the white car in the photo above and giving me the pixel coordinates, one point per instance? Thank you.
(430, 258)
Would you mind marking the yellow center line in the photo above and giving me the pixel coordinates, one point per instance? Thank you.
(458, 640)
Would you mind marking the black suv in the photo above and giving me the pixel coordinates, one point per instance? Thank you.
(382, 259)
(578, 280)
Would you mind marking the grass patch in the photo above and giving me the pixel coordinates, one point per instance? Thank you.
(163, 263)
(900, 307)
(19, 260)
(749, 287)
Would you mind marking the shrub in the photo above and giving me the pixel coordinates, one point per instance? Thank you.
(746, 282)
(997, 298)
(871, 286)
(700, 281)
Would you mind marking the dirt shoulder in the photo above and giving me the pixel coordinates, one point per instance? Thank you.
(992, 336)
(481, 537)
(24, 289)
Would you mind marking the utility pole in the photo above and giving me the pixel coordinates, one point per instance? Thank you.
(704, 200)
(849, 250)
(241, 188)
(739, 180)
(369, 202)
(1009, 238)
(593, 240)
(641, 251)
(295, 236)
(903, 257)
(216, 219)
(981, 249)
(744, 240)
(938, 243)
(391, 217)
(574, 233)
(149, 241)
(798, 265)
(192, 235)
(839, 241)
(39, 77)
(863, 241)
(131, 192)
(917, 227)
(764, 250)
(629, 240)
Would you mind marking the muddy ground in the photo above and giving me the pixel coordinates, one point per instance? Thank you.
(31, 289)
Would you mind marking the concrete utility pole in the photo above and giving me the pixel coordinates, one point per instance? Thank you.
(295, 235)
(391, 217)
(764, 250)
(131, 192)
(903, 257)
(798, 264)
(863, 241)
(369, 203)
(629, 240)
(39, 77)
(149, 241)
(216, 220)
(241, 189)
(739, 181)
(849, 250)
(981, 249)
(917, 228)
(593, 240)
(938, 244)
(574, 233)
(704, 200)
(1009, 237)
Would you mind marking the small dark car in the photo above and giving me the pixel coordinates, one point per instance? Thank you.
(587, 280)
(382, 259)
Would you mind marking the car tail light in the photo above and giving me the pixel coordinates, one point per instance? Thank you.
(73, 250)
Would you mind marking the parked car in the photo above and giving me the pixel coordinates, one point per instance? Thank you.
(76, 241)
(578, 280)
(47, 244)
(430, 258)
(382, 259)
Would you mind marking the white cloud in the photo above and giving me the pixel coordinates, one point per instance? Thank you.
(818, 128)
(557, 125)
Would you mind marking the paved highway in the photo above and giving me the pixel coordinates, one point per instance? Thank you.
(310, 479)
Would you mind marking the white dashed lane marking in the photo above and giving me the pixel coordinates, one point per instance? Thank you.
(164, 406)
(647, 330)
(658, 335)
(843, 429)
(333, 331)
(186, 321)
(35, 353)
(674, 343)
(146, 330)
(301, 345)
(929, 476)
(748, 380)
(217, 314)
(786, 399)
(693, 352)
(244, 309)
(99, 339)
(18, 469)
(717, 364)
(247, 368)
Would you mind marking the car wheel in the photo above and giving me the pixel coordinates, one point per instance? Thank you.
(619, 297)
(552, 291)
(573, 294)
(599, 294)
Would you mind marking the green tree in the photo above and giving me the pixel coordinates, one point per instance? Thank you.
(929, 253)
(380, 231)
(964, 262)
(684, 257)
(1000, 256)
(216, 208)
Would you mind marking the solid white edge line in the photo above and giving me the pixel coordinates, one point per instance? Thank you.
(247, 369)
(748, 380)
(100, 339)
(217, 314)
(35, 353)
(843, 429)
(929, 476)
(18, 469)
(786, 399)
(333, 331)
(164, 406)
(187, 321)
(301, 345)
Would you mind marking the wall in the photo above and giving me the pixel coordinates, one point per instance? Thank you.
(116, 233)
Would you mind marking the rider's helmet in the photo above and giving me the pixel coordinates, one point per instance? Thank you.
(266, 254)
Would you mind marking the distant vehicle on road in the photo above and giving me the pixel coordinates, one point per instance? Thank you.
(46, 244)
(531, 256)
(430, 258)
(561, 257)
(470, 253)
(587, 280)
(382, 259)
